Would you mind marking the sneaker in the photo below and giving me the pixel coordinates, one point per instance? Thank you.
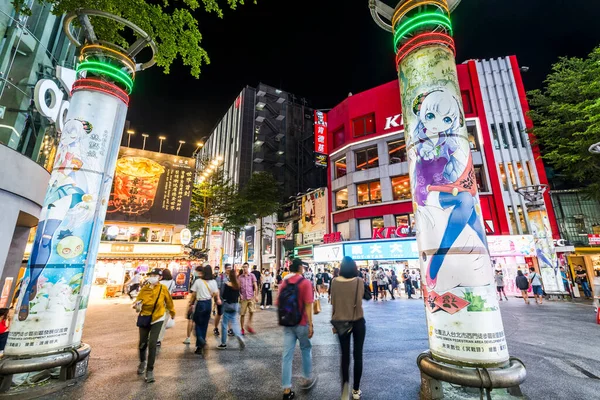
(216, 331)
(249, 329)
(187, 341)
(242, 343)
(230, 332)
(222, 346)
(243, 332)
(158, 343)
(356, 394)
(141, 368)
(346, 391)
(262, 307)
(149, 376)
(199, 351)
(500, 298)
(268, 307)
(289, 395)
(308, 384)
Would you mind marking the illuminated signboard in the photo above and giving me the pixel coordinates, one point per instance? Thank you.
(382, 250)
(320, 139)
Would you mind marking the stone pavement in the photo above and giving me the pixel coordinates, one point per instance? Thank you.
(557, 341)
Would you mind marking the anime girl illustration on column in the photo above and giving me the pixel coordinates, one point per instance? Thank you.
(444, 167)
(67, 204)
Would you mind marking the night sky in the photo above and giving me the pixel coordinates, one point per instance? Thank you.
(323, 49)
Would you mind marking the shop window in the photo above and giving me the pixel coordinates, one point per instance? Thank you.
(401, 187)
(503, 176)
(467, 104)
(495, 136)
(397, 151)
(340, 168)
(339, 137)
(366, 227)
(136, 234)
(341, 199)
(473, 136)
(369, 193)
(344, 229)
(367, 158)
(364, 125)
(407, 224)
(481, 180)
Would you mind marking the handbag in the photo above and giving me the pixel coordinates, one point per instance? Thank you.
(317, 306)
(170, 323)
(367, 296)
(144, 321)
(345, 327)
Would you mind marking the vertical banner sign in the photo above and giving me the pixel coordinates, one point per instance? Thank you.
(320, 139)
(545, 251)
(249, 240)
(463, 316)
(54, 291)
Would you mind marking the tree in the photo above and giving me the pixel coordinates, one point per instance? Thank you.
(262, 195)
(171, 24)
(566, 117)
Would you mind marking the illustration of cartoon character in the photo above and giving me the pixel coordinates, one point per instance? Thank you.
(443, 166)
(66, 203)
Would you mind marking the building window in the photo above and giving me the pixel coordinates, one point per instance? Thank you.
(397, 151)
(367, 158)
(480, 178)
(522, 134)
(366, 227)
(338, 137)
(364, 125)
(369, 193)
(401, 187)
(513, 220)
(495, 135)
(503, 176)
(503, 134)
(341, 199)
(344, 229)
(473, 137)
(522, 220)
(466, 99)
(407, 224)
(340, 168)
(513, 138)
(530, 172)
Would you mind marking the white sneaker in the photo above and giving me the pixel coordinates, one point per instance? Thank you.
(268, 307)
(356, 394)
(187, 341)
(262, 307)
(346, 391)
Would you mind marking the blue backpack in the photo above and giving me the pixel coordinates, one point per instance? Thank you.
(290, 313)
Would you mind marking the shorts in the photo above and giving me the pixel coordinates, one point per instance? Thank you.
(499, 288)
(246, 305)
(537, 289)
(220, 309)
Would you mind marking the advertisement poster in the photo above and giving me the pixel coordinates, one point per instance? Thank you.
(320, 125)
(462, 309)
(181, 276)
(55, 288)
(313, 221)
(545, 251)
(249, 239)
(151, 187)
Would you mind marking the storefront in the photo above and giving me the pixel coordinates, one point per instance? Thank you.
(396, 254)
(589, 259)
(509, 254)
(328, 255)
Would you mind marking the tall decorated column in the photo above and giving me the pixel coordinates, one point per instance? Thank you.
(53, 294)
(463, 317)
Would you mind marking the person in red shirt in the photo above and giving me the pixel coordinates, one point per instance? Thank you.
(4, 326)
(302, 332)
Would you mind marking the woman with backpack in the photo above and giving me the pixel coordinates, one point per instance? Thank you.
(230, 294)
(523, 285)
(347, 292)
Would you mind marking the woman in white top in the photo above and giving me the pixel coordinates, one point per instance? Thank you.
(167, 281)
(203, 291)
(267, 291)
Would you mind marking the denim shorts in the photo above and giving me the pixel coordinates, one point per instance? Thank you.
(537, 289)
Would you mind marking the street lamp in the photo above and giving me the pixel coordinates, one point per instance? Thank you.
(199, 146)
(130, 132)
(145, 136)
(161, 138)
(181, 143)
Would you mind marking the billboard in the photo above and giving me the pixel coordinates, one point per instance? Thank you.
(151, 187)
(383, 250)
(313, 221)
(320, 138)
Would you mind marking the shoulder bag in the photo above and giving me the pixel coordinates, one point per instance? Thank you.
(145, 321)
(345, 327)
(228, 307)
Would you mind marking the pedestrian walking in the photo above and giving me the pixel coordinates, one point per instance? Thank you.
(249, 296)
(4, 328)
(382, 283)
(295, 311)
(221, 278)
(565, 280)
(133, 284)
(347, 318)
(407, 283)
(374, 283)
(394, 282)
(582, 279)
(230, 296)
(203, 291)
(190, 313)
(152, 302)
(257, 275)
(266, 300)
(319, 282)
(536, 285)
(523, 285)
(166, 279)
(499, 278)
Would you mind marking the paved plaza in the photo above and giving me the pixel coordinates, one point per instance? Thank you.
(557, 341)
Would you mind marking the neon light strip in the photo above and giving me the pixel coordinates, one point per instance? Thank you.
(423, 40)
(124, 57)
(413, 23)
(411, 5)
(96, 85)
(107, 69)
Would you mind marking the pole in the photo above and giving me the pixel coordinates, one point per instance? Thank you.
(463, 315)
(144, 143)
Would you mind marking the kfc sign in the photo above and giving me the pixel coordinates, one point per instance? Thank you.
(393, 122)
(388, 233)
(320, 137)
(332, 237)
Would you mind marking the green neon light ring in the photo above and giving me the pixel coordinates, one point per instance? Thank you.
(107, 69)
(411, 25)
(423, 16)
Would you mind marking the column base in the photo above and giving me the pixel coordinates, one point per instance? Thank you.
(73, 365)
(437, 377)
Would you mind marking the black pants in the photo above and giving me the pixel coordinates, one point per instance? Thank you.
(375, 290)
(148, 339)
(267, 297)
(358, 333)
